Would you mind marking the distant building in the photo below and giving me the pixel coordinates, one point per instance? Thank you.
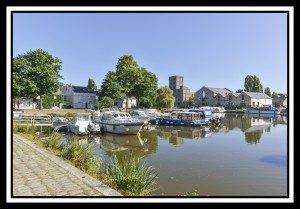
(280, 102)
(24, 104)
(181, 93)
(121, 103)
(253, 99)
(208, 96)
(79, 97)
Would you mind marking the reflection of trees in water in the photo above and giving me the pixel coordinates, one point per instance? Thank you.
(253, 137)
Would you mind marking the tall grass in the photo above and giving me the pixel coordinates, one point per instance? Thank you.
(54, 141)
(28, 129)
(82, 156)
(131, 177)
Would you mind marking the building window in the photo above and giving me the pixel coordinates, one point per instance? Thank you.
(218, 97)
(203, 94)
(229, 98)
(243, 97)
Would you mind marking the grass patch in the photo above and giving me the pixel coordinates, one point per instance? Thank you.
(81, 155)
(131, 177)
(54, 141)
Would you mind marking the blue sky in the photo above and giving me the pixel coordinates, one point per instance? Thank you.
(208, 49)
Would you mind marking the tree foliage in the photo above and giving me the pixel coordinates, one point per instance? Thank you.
(252, 84)
(105, 102)
(191, 101)
(165, 98)
(130, 80)
(92, 84)
(267, 91)
(274, 95)
(36, 73)
(110, 86)
(239, 91)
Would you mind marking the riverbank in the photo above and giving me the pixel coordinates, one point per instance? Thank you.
(37, 172)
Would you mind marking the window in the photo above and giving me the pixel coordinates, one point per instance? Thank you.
(243, 97)
(229, 98)
(218, 97)
(203, 94)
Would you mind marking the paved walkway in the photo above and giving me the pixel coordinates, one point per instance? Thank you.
(36, 172)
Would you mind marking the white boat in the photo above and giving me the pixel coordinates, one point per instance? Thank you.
(117, 122)
(82, 124)
(141, 115)
(60, 124)
(153, 114)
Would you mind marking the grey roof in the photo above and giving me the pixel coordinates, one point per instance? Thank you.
(235, 94)
(257, 95)
(222, 91)
(83, 89)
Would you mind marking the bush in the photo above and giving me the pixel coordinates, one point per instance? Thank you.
(132, 177)
(81, 155)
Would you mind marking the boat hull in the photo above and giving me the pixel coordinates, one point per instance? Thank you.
(262, 112)
(121, 128)
(166, 121)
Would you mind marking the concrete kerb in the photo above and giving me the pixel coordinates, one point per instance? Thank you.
(89, 180)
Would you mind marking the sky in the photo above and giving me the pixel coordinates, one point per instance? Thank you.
(209, 49)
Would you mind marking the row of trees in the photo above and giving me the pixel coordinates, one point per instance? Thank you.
(252, 84)
(130, 80)
(36, 75)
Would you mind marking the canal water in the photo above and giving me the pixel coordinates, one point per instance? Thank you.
(247, 156)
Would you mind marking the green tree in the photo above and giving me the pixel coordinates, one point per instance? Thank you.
(110, 86)
(191, 101)
(92, 84)
(274, 95)
(267, 91)
(252, 84)
(165, 98)
(144, 87)
(239, 91)
(127, 74)
(105, 102)
(36, 73)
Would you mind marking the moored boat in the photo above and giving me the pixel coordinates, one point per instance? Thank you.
(181, 119)
(82, 124)
(117, 122)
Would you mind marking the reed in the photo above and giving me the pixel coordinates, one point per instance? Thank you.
(82, 156)
(131, 177)
(54, 141)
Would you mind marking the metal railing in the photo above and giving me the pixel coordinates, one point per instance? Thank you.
(32, 119)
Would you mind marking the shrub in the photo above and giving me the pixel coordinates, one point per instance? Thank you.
(132, 177)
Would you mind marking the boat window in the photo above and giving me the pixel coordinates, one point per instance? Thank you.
(128, 115)
(122, 115)
(116, 115)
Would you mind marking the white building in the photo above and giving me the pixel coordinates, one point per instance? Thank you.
(79, 97)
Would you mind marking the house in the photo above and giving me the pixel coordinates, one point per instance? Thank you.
(57, 102)
(280, 101)
(208, 96)
(253, 99)
(121, 103)
(79, 97)
(24, 104)
(231, 99)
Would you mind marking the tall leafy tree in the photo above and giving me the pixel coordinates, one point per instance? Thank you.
(165, 98)
(36, 73)
(144, 87)
(267, 91)
(239, 91)
(127, 74)
(105, 102)
(110, 86)
(92, 84)
(252, 84)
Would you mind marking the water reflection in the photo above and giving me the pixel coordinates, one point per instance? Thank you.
(177, 134)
